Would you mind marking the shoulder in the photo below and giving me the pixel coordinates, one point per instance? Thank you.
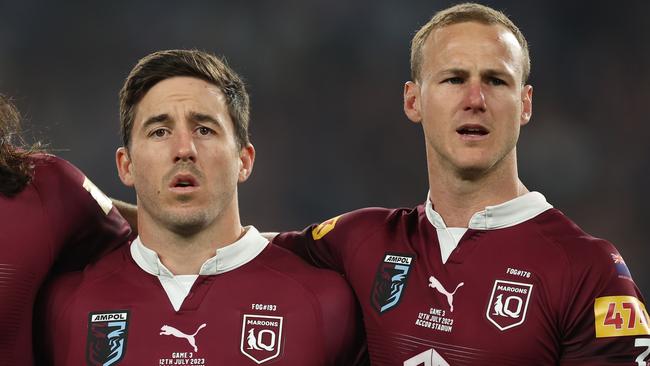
(54, 176)
(326, 296)
(51, 167)
(116, 262)
(377, 215)
(315, 280)
(59, 181)
(363, 221)
(69, 289)
(590, 261)
(572, 240)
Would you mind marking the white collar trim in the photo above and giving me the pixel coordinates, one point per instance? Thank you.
(509, 213)
(226, 259)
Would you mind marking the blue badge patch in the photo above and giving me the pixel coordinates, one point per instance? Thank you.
(107, 334)
(390, 281)
(621, 267)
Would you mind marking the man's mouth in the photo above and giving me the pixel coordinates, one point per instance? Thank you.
(472, 130)
(184, 181)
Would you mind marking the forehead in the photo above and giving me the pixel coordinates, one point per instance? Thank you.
(472, 44)
(195, 95)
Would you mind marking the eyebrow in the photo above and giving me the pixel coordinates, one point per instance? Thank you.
(155, 119)
(484, 73)
(202, 117)
(193, 116)
(454, 71)
(497, 73)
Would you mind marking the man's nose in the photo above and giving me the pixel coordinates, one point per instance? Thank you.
(475, 96)
(185, 149)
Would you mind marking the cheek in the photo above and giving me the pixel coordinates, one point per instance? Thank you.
(437, 100)
(223, 163)
(146, 174)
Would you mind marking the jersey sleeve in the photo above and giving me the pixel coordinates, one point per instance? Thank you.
(333, 243)
(606, 322)
(82, 218)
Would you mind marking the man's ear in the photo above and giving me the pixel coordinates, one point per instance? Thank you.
(412, 101)
(124, 166)
(247, 160)
(527, 104)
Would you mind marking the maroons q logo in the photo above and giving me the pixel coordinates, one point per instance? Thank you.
(390, 281)
(261, 337)
(508, 304)
(107, 333)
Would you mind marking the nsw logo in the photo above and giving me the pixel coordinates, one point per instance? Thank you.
(390, 281)
(261, 337)
(508, 304)
(107, 335)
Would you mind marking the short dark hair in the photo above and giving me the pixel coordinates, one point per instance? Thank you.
(162, 65)
(15, 166)
(461, 13)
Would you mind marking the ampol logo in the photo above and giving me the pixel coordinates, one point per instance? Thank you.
(261, 337)
(508, 304)
(107, 336)
(390, 281)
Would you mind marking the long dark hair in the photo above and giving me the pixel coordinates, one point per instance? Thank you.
(15, 166)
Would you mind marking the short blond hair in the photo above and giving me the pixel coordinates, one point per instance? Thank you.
(461, 13)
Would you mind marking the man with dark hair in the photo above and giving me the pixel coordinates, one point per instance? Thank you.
(484, 272)
(196, 287)
(48, 210)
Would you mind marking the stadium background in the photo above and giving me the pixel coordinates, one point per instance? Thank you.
(326, 83)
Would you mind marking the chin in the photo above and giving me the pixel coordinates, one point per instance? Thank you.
(473, 170)
(471, 174)
(187, 223)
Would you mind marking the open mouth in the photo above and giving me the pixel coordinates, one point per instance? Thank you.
(472, 130)
(184, 181)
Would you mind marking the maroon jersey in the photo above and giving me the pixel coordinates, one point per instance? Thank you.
(524, 286)
(260, 305)
(59, 210)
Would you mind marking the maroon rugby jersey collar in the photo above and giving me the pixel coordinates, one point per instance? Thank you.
(226, 259)
(504, 215)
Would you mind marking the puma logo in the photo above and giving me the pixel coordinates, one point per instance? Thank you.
(169, 330)
(433, 282)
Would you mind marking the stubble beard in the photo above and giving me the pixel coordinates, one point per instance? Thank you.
(189, 223)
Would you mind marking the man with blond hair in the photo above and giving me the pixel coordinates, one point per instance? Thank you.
(484, 272)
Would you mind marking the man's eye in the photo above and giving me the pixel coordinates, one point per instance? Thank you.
(159, 132)
(454, 80)
(204, 131)
(496, 81)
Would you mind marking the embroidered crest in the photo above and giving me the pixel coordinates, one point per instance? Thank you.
(390, 281)
(508, 304)
(261, 337)
(107, 336)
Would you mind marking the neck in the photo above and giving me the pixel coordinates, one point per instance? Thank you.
(185, 253)
(457, 196)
